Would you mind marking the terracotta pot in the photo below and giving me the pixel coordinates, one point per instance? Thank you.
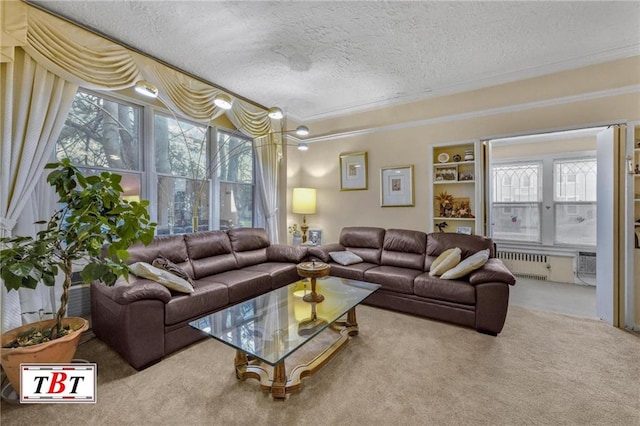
(59, 350)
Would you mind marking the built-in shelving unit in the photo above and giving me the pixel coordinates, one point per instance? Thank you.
(456, 187)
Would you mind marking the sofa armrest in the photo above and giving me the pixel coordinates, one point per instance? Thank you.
(492, 271)
(123, 292)
(285, 253)
(322, 252)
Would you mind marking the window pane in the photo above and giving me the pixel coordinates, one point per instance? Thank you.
(101, 133)
(575, 180)
(576, 224)
(181, 148)
(177, 200)
(234, 159)
(236, 205)
(517, 182)
(519, 222)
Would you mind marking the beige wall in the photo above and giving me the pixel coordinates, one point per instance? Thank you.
(556, 102)
(544, 147)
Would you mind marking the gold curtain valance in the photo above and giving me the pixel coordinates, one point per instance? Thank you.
(91, 61)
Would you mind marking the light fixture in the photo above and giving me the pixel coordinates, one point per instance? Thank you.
(275, 113)
(304, 202)
(302, 130)
(147, 89)
(222, 100)
(303, 146)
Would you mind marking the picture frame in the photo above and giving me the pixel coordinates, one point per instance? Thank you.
(446, 174)
(353, 171)
(315, 236)
(396, 186)
(464, 230)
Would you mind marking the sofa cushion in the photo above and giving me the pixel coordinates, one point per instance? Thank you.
(172, 247)
(437, 242)
(392, 278)
(447, 260)
(207, 297)
(210, 253)
(248, 239)
(285, 253)
(463, 268)
(242, 284)
(281, 273)
(345, 257)
(166, 278)
(352, 272)
(364, 241)
(404, 248)
(451, 290)
(164, 263)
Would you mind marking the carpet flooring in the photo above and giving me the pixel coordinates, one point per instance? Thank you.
(544, 368)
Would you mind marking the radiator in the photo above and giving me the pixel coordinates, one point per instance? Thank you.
(79, 300)
(526, 265)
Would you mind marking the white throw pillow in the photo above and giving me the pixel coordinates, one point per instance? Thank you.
(166, 278)
(447, 260)
(471, 263)
(345, 257)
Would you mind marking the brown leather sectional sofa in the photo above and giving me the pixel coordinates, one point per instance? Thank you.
(399, 260)
(144, 321)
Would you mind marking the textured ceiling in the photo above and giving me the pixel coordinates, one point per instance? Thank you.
(322, 59)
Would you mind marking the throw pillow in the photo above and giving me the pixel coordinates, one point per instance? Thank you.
(164, 263)
(345, 257)
(447, 260)
(167, 279)
(471, 263)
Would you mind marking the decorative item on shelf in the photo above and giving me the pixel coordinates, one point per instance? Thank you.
(304, 202)
(446, 174)
(441, 226)
(637, 171)
(353, 171)
(443, 157)
(457, 158)
(468, 155)
(315, 237)
(296, 235)
(464, 230)
(466, 176)
(445, 204)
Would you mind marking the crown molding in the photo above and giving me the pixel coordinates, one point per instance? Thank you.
(481, 113)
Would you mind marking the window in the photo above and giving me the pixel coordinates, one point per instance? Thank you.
(101, 133)
(516, 199)
(575, 201)
(184, 180)
(198, 178)
(235, 172)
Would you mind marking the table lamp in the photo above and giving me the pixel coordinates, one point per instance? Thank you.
(304, 203)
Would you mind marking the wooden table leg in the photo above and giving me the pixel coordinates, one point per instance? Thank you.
(352, 322)
(278, 388)
(241, 363)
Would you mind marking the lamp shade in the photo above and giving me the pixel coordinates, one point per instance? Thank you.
(304, 201)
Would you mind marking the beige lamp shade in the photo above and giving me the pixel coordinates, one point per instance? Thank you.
(304, 201)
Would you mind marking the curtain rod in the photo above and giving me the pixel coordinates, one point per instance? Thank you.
(136, 50)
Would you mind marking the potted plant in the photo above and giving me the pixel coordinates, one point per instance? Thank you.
(93, 226)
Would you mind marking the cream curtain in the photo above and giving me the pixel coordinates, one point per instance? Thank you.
(269, 153)
(35, 104)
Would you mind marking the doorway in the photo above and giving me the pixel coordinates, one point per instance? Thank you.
(542, 212)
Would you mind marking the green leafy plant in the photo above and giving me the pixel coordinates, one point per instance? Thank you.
(92, 226)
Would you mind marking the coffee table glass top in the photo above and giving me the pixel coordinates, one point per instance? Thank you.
(272, 326)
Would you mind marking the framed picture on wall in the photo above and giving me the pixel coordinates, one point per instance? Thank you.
(353, 171)
(315, 237)
(396, 186)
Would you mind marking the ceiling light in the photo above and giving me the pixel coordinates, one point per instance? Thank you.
(303, 146)
(147, 89)
(222, 100)
(275, 113)
(302, 131)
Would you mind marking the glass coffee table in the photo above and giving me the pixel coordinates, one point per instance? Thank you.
(280, 325)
